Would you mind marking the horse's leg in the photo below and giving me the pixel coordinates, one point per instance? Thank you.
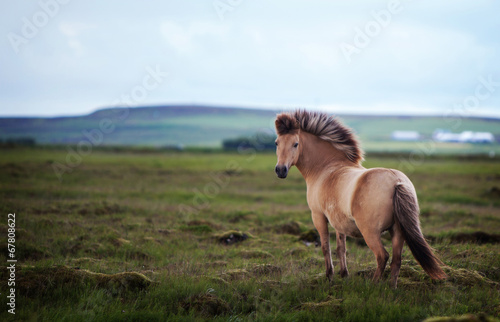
(341, 254)
(321, 224)
(397, 249)
(372, 239)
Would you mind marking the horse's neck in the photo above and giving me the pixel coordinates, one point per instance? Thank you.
(317, 156)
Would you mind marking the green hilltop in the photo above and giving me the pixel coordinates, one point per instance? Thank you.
(204, 126)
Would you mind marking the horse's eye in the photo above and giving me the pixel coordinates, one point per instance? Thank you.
(296, 145)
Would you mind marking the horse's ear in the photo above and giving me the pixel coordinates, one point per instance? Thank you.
(285, 124)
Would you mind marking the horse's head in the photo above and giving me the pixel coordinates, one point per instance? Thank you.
(287, 144)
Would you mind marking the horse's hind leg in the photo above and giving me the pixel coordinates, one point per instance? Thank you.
(321, 224)
(341, 250)
(397, 249)
(373, 241)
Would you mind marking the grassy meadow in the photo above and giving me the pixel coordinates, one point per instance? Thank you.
(151, 236)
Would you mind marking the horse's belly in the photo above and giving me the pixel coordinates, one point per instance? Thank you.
(344, 225)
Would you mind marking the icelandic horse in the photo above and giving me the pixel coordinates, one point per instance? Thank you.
(356, 201)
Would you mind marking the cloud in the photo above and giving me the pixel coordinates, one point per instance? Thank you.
(73, 31)
(277, 53)
(185, 39)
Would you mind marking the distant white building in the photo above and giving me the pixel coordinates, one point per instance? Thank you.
(406, 136)
(464, 137)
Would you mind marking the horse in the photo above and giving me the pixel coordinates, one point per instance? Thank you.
(355, 201)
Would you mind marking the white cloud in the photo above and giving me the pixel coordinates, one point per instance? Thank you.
(73, 31)
(186, 38)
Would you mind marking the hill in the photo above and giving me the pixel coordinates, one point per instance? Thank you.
(146, 126)
(208, 126)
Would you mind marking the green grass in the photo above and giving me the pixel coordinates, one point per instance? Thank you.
(159, 214)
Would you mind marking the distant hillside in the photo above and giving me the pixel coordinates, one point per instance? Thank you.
(150, 126)
(209, 126)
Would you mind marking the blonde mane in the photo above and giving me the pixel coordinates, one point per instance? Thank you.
(325, 127)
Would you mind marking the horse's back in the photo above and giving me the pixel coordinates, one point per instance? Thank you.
(355, 197)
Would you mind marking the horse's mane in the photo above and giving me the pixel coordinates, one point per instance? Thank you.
(325, 127)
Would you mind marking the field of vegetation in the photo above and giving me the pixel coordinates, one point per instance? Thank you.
(150, 236)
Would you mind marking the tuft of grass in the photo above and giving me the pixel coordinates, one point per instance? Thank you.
(462, 318)
(34, 281)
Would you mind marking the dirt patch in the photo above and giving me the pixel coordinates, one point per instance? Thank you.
(36, 281)
(206, 305)
(231, 237)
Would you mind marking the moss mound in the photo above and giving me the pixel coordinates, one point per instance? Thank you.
(328, 304)
(231, 237)
(120, 242)
(35, 281)
(310, 237)
(463, 318)
(292, 228)
(466, 277)
(235, 274)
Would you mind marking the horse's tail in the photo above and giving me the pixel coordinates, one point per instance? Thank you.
(407, 211)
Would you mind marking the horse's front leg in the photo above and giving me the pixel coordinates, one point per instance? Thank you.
(341, 251)
(321, 224)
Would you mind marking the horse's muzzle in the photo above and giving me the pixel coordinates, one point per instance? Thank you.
(281, 171)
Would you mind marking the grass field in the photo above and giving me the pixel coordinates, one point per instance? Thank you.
(181, 236)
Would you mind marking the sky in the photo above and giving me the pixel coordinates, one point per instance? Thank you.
(72, 57)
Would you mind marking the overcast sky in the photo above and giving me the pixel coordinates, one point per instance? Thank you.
(73, 57)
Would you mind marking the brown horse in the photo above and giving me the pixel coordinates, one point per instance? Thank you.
(356, 201)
